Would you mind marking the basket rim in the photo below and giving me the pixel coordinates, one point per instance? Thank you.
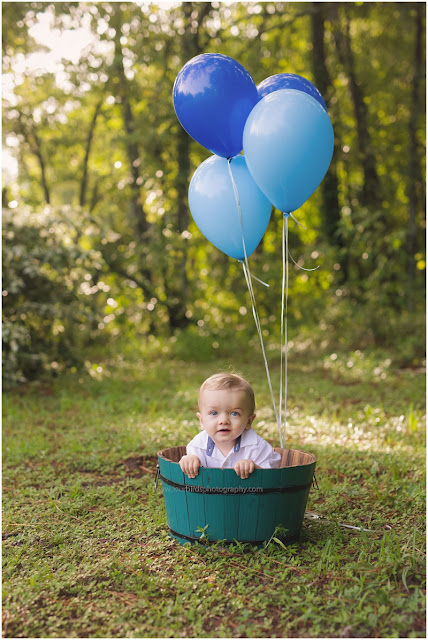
(310, 458)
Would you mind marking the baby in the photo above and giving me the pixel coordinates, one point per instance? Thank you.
(226, 412)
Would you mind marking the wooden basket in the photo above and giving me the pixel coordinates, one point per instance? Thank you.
(228, 508)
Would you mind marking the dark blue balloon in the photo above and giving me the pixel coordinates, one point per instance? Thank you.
(289, 81)
(213, 96)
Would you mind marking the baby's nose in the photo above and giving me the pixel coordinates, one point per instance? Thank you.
(224, 418)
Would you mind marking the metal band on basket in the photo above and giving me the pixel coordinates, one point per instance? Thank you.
(233, 491)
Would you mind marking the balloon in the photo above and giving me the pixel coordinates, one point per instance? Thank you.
(214, 209)
(288, 146)
(289, 81)
(213, 96)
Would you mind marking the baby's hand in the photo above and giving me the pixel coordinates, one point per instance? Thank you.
(190, 464)
(244, 467)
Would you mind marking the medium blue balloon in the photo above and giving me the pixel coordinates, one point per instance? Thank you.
(288, 146)
(213, 206)
(213, 96)
(289, 81)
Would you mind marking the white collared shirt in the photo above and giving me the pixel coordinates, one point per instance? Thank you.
(252, 447)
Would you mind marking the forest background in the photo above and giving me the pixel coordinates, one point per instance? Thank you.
(100, 253)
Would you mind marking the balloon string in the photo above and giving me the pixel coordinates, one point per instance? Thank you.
(289, 254)
(302, 268)
(284, 325)
(284, 318)
(259, 331)
(254, 277)
(296, 220)
(248, 277)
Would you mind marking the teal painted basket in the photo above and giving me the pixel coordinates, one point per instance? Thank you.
(228, 508)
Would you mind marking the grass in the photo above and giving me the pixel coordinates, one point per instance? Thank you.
(86, 550)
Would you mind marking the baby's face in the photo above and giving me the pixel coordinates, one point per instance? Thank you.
(225, 414)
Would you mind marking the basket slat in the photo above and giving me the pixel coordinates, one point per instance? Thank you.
(248, 509)
(195, 504)
(267, 506)
(231, 508)
(214, 513)
(178, 500)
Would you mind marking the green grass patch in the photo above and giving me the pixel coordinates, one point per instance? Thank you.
(86, 550)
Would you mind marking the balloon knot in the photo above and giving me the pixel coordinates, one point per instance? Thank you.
(286, 215)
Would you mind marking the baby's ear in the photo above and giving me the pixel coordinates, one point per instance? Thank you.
(200, 420)
(250, 420)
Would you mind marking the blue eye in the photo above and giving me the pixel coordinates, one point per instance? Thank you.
(234, 413)
(212, 413)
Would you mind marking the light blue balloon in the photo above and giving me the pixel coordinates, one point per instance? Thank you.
(288, 146)
(213, 206)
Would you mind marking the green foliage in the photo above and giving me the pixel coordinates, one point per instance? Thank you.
(363, 328)
(101, 138)
(48, 319)
(375, 261)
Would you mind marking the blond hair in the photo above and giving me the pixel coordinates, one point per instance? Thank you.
(228, 381)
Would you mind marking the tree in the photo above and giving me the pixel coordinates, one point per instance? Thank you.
(415, 191)
(100, 139)
(330, 184)
(371, 192)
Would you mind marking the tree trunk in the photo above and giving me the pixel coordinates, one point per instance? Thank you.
(39, 154)
(95, 197)
(370, 194)
(33, 141)
(84, 181)
(4, 198)
(329, 186)
(190, 47)
(138, 215)
(137, 211)
(183, 147)
(414, 171)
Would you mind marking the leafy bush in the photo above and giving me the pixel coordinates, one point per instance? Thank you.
(48, 319)
(348, 326)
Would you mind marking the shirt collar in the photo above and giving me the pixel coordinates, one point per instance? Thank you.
(211, 444)
(248, 437)
(203, 443)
